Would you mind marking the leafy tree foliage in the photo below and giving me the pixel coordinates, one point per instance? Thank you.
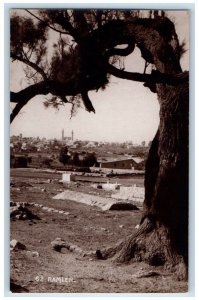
(89, 160)
(63, 155)
(47, 162)
(76, 160)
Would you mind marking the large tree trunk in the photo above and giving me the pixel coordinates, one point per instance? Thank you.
(162, 238)
(163, 234)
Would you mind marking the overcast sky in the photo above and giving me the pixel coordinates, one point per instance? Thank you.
(125, 111)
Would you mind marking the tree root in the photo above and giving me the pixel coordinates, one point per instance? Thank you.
(151, 244)
(58, 244)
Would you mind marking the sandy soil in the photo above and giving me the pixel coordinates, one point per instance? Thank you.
(90, 228)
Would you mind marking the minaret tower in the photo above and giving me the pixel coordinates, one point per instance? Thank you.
(72, 135)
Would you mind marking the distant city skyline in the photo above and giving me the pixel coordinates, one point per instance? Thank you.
(125, 110)
(67, 138)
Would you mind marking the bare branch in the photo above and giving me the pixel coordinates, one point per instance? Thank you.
(46, 23)
(61, 20)
(154, 77)
(31, 64)
(145, 66)
(31, 75)
(41, 88)
(16, 110)
(122, 52)
(87, 102)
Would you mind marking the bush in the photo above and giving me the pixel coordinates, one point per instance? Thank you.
(75, 160)
(18, 161)
(63, 155)
(89, 160)
(47, 162)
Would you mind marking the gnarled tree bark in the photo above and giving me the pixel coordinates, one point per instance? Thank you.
(162, 238)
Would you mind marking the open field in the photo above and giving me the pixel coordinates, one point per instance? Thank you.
(34, 173)
(39, 268)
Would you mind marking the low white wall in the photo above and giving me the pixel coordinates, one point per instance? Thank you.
(130, 193)
(68, 177)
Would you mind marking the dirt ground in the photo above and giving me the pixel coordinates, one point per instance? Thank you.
(40, 269)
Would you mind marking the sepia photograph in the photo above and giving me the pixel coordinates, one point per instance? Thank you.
(99, 150)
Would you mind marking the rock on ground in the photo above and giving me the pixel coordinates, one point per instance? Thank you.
(15, 245)
(20, 212)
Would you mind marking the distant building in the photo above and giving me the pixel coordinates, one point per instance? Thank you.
(67, 138)
(90, 145)
(119, 164)
(62, 134)
(138, 159)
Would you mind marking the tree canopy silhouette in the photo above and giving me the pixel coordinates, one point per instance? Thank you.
(83, 55)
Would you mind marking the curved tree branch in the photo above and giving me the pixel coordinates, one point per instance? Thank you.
(153, 78)
(87, 102)
(46, 23)
(31, 64)
(16, 110)
(122, 52)
(23, 96)
(66, 25)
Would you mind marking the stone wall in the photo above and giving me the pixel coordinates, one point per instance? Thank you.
(133, 193)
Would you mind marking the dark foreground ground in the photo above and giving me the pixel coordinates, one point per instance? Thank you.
(40, 269)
